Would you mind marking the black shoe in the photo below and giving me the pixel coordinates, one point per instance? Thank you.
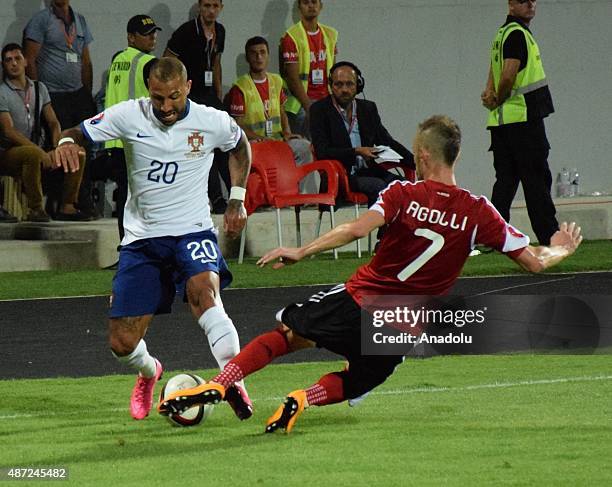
(91, 213)
(6, 217)
(73, 217)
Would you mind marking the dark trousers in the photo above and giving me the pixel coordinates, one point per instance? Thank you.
(371, 181)
(520, 155)
(110, 164)
(219, 171)
(71, 109)
(118, 173)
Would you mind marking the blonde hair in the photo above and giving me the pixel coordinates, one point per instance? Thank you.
(442, 136)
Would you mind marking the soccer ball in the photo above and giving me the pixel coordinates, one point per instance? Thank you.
(192, 416)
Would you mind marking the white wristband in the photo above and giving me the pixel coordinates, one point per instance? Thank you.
(65, 140)
(237, 193)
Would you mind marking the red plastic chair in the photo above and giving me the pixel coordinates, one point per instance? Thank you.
(345, 193)
(274, 165)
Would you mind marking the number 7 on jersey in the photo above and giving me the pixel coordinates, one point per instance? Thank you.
(437, 242)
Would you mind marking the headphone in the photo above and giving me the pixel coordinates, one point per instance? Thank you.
(360, 78)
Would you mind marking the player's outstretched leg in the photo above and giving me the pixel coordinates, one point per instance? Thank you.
(288, 412)
(183, 399)
(328, 390)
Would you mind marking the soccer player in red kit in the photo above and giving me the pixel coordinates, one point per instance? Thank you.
(432, 227)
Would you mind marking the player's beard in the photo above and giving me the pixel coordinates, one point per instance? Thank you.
(160, 116)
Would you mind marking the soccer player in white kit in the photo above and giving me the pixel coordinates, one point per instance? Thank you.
(170, 240)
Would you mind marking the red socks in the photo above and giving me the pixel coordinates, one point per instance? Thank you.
(265, 348)
(328, 390)
(230, 374)
(256, 355)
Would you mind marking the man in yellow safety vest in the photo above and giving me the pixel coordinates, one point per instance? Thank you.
(518, 100)
(127, 77)
(257, 102)
(308, 51)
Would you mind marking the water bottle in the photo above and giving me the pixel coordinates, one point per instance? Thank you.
(574, 177)
(563, 183)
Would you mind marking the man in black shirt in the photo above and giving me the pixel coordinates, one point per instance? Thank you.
(199, 44)
(518, 98)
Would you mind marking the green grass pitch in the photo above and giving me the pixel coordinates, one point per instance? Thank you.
(591, 256)
(467, 421)
(471, 420)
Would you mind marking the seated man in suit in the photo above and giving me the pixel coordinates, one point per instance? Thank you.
(347, 129)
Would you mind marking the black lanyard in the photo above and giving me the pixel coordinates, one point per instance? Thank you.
(349, 125)
(209, 45)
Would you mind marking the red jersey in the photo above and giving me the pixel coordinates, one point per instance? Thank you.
(432, 229)
(237, 104)
(318, 61)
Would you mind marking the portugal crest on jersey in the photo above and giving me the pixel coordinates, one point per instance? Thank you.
(195, 140)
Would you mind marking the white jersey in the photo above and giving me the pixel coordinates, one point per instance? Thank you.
(167, 166)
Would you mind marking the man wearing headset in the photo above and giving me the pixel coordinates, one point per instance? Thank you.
(348, 129)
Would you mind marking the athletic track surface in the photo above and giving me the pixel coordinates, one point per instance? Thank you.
(67, 337)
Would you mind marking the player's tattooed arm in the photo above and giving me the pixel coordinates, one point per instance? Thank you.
(69, 152)
(240, 162)
(239, 166)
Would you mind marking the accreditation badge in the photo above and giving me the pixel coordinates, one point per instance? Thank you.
(208, 78)
(72, 57)
(269, 128)
(317, 76)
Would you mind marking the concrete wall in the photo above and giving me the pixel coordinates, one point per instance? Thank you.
(419, 57)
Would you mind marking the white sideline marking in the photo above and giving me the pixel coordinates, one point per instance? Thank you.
(398, 392)
(495, 385)
(50, 298)
(528, 284)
